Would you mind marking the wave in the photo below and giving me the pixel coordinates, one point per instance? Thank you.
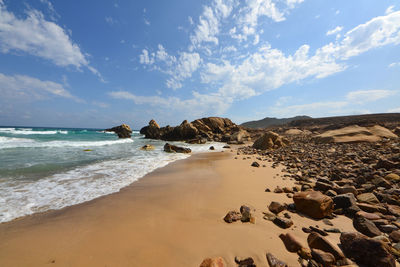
(29, 131)
(11, 142)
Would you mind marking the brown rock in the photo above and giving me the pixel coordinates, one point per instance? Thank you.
(232, 216)
(316, 241)
(283, 222)
(392, 177)
(274, 262)
(395, 236)
(313, 203)
(365, 226)
(176, 149)
(366, 251)
(369, 198)
(216, 262)
(325, 258)
(147, 147)
(270, 140)
(247, 262)
(369, 216)
(290, 242)
(123, 131)
(276, 207)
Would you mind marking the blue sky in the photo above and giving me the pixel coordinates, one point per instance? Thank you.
(102, 63)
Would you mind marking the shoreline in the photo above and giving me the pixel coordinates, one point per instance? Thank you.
(171, 217)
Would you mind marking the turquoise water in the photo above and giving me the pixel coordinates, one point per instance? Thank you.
(43, 168)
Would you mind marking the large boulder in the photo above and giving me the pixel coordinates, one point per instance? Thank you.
(313, 203)
(270, 140)
(123, 131)
(316, 241)
(152, 131)
(355, 134)
(366, 251)
(365, 226)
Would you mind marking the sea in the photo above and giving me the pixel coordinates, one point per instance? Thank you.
(50, 168)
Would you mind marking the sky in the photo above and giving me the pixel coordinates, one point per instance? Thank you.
(98, 64)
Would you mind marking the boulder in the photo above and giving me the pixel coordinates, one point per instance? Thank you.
(316, 241)
(276, 207)
(123, 131)
(366, 251)
(245, 211)
(290, 242)
(313, 203)
(275, 262)
(325, 258)
(283, 222)
(152, 130)
(270, 140)
(176, 149)
(232, 216)
(215, 262)
(147, 147)
(368, 198)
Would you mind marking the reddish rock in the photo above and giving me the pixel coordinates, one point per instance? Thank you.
(232, 216)
(395, 236)
(366, 251)
(283, 222)
(369, 216)
(325, 258)
(365, 226)
(216, 262)
(313, 203)
(316, 241)
(290, 242)
(276, 207)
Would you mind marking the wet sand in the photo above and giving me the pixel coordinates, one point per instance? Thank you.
(171, 217)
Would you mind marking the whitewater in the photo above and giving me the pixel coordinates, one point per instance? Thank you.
(43, 169)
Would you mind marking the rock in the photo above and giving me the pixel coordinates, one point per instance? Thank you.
(270, 140)
(269, 216)
(247, 262)
(255, 164)
(123, 131)
(366, 251)
(365, 226)
(275, 262)
(344, 201)
(176, 149)
(325, 258)
(278, 190)
(246, 213)
(232, 216)
(212, 148)
(392, 177)
(316, 241)
(147, 147)
(395, 236)
(290, 242)
(371, 208)
(368, 198)
(369, 216)
(283, 222)
(319, 231)
(276, 207)
(313, 203)
(387, 228)
(216, 262)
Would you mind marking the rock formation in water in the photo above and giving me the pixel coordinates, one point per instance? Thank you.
(123, 131)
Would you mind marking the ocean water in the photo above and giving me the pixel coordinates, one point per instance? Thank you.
(43, 169)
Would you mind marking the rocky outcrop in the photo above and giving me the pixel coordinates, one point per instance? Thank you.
(123, 131)
(313, 203)
(198, 131)
(270, 140)
(355, 134)
(176, 149)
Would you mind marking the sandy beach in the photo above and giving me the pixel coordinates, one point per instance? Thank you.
(171, 217)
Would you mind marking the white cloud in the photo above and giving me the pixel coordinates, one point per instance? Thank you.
(100, 104)
(394, 110)
(334, 31)
(145, 58)
(110, 20)
(37, 36)
(364, 96)
(316, 109)
(207, 29)
(26, 88)
(389, 10)
(394, 64)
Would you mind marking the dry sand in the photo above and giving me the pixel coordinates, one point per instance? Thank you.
(171, 217)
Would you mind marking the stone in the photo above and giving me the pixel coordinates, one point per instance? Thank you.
(395, 236)
(365, 226)
(247, 262)
(290, 242)
(325, 258)
(275, 262)
(255, 164)
(246, 213)
(392, 177)
(176, 149)
(147, 147)
(313, 203)
(366, 251)
(368, 215)
(123, 131)
(368, 198)
(316, 241)
(270, 140)
(371, 208)
(212, 148)
(276, 207)
(283, 222)
(215, 262)
(347, 189)
(388, 228)
(232, 216)
(344, 201)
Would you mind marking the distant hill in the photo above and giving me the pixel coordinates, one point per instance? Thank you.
(266, 122)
